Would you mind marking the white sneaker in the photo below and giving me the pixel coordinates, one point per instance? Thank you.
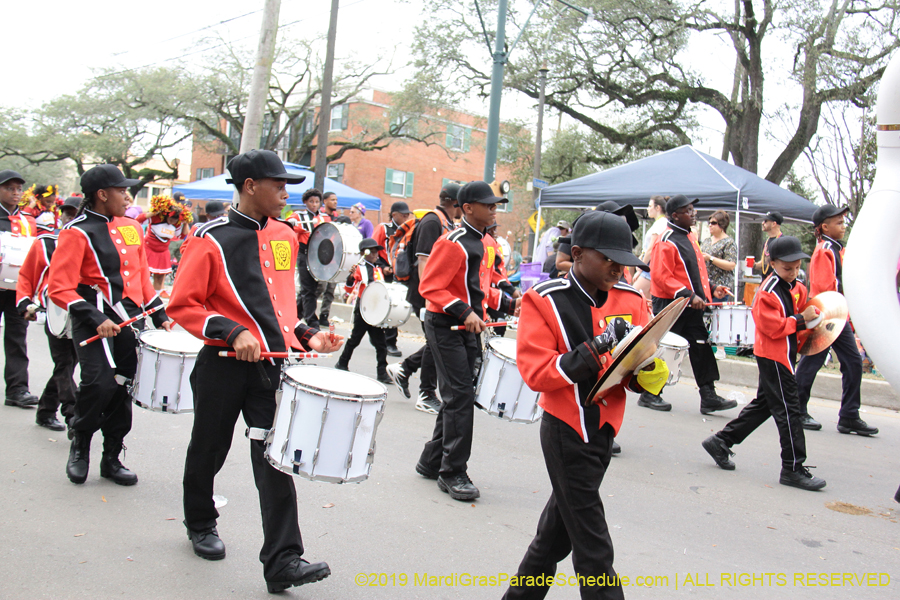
(428, 403)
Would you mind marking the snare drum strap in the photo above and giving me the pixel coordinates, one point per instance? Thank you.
(256, 433)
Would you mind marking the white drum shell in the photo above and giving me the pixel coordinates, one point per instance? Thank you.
(13, 250)
(346, 251)
(732, 326)
(58, 321)
(325, 435)
(162, 380)
(672, 349)
(384, 304)
(501, 391)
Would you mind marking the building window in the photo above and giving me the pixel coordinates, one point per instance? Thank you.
(403, 125)
(458, 137)
(398, 183)
(506, 206)
(336, 171)
(339, 115)
(205, 173)
(507, 150)
(142, 193)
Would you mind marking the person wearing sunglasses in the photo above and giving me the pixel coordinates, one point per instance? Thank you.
(720, 254)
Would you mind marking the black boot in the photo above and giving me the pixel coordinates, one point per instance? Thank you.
(112, 468)
(711, 402)
(79, 457)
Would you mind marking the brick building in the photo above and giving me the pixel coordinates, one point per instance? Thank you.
(411, 170)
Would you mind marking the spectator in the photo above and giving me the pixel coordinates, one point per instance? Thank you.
(357, 217)
(720, 254)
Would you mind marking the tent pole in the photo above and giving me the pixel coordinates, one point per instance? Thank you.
(737, 243)
(537, 233)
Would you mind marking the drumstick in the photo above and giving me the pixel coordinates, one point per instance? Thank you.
(123, 324)
(497, 324)
(296, 355)
(724, 303)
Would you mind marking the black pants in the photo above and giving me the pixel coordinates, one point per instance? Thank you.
(390, 336)
(14, 344)
(573, 521)
(851, 374)
(101, 402)
(376, 338)
(306, 300)
(224, 388)
(60, 389)
(454, 355)
(422, 359)
(775, 396)
(326, 291)
(690, 326)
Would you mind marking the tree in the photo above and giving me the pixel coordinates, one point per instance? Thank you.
(107, 121)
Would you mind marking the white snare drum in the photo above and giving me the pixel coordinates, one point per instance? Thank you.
(13, 250)
(384, 304)
(325, 424)
(672, 349)
(732, 326)
(58, 321)
(333, 251)
(165, 361)
(501, 391)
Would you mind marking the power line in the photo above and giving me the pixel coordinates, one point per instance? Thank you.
(181, 35)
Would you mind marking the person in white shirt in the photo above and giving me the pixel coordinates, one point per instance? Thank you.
(656, 210)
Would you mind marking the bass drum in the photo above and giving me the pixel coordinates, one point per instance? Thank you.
(384, 305)
(333, 251)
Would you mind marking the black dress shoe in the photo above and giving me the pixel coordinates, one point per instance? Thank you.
(50, 423)
(653, 401)
(712, 402)
(79, 457)
(807, 422)
(299, 572)
(23, 399)
(616, 448)
(802, 479)
(426, 471)
(341, 367)
(460, 487)
(385, 379)
(857, 426)
(719, 451)
(112, 468)
(394, 351)
(207, 544)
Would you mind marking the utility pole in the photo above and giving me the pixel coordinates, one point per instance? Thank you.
(493, 129)
(325, 110)
(538, 141)
(262, 70)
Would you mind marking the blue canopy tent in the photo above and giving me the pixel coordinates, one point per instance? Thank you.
(683, 170)
(215, 188)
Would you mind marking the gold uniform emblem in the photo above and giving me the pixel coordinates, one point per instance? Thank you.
(130, 235)
(490, 254)
(281, 252)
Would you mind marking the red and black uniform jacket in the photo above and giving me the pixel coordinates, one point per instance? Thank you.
(678, 266)
(429, 229)
(456, 281)
(557, 321)
(17, 222)
(303, 222)
(362, 275)
(384, 232)
(239, 276)
(826, 267)
(775, 313)
(99, 260)
(33, 273)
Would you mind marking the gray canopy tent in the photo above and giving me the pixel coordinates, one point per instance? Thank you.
(683, 170)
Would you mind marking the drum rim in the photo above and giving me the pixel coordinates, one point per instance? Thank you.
(341, 268)
(306, 387)
(505, 341)
(158, 350)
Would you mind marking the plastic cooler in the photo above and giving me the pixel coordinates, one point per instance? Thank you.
(531, 275)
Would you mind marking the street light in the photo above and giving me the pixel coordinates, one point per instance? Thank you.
(501, 56)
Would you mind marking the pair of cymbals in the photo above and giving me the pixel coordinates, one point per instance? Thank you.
(834, 311)
(636, 349)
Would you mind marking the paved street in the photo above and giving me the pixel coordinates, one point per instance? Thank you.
(673, 514)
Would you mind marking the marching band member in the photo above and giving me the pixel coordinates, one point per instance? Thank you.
(45, 204)
(168, 222)
(566, 329)
(30, 294)
(12, 220)
(400, 213)
(775, 312)
(100, 275)
(457, 289)
(679, 271)
(325, 289)
(368, 270)
(235, 289)
(825, 275)
(429, 229)
(303, 222)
